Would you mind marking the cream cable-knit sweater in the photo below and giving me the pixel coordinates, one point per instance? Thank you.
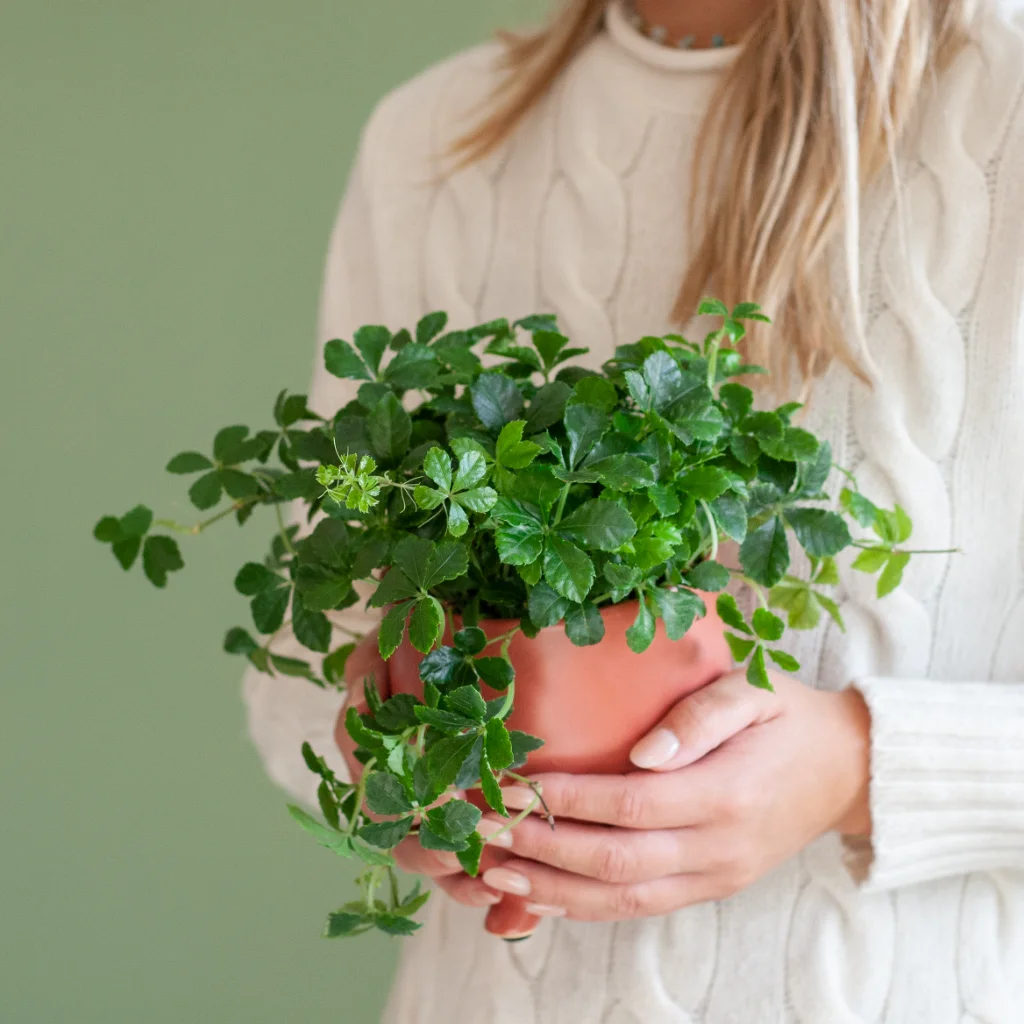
(584, 214)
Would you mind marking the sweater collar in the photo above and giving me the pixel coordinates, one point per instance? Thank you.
(627, 38)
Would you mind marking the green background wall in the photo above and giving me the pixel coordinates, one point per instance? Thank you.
(168, 174)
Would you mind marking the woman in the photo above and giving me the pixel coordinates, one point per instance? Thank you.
(851, 849)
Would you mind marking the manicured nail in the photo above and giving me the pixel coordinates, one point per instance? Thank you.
(449, 860)
(490, 829)
(543, 910)
(506, 880)
(486, 899)
(518, 797)
(654, 750)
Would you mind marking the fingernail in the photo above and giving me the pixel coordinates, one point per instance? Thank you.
(486, 899)
(543, 910)
(506, 880)
(654, 750)
(449, 860)
(518, 797)
(490, 829)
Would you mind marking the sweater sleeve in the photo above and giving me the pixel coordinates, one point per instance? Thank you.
(285, 712)
(947, 785)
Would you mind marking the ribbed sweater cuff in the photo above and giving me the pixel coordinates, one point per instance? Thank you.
(947, 781)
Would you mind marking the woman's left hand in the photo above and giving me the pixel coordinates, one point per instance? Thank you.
(737, 780)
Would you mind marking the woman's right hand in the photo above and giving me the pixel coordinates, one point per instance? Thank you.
(443, 868)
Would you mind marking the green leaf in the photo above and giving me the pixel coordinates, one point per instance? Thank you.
(160, 555)
(385, 794)
(640, 635)
(471, 640)
(664, 380)
(438, 466)
(238, 641)
(757, 671)
(766, 625)
(567, 569)
(390, 429)
(329, 593)
(341, 925)
(709, 576)
(892, 574)
(584, 625)
(478, 499)
(325, 836)
(446, 561)
(334, 664)
(785, 661)
(737, 399)
(546, 606)
(498, 745)
(108, 530)
(455, 820)
(430, 327)
(268, 608)
(392, 924)
(821, 533)
(547, 407)
(549, 343)
(291, 667)
(730, 614)
(397, 713)
(745, 449)
(678, 609)
(870, 560)
(764, 554)
(520, 535)
(497, 673)
(466, 700)
(740, 647)
(458, 521)
(511, 451)
(600, 524)
(428, 498)
(469, 773)
(189, 462)
(392, 628)
(227, 444)
(523, 744)
(311, 628)
(127, 550)
(665, 499)
(472, 470)
(469, 858)
(239, 485)
(705, 482)
(585, 425)
(340, 359)
(444, 759)
(136, 522)
(446, 721)
(439, 666)
(385, 835)
(372, 343)
(713, 307)
(864, 511)
(426, 624)
(491, 789)
(415, 366)
(496, 399)
(206, 491)
(431, 840)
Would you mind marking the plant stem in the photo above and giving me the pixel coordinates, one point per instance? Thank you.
(867, 546)
(170, 524)
(561, 504)
(504, 636)
(284, 533)
(713, 526)
(755, 587)
(393, 881)
(360, 795)
(535, 786)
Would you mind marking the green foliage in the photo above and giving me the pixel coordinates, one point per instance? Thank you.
(532, 491)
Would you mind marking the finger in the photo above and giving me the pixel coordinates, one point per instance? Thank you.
(470, 892)
(640, 800)
(363, 663)
(611, 855)
(585, 899)
(510, 919)
(704, 720)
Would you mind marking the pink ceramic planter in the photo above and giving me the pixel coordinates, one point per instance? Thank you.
(591, 704)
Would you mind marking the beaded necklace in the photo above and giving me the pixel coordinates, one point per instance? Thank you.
(659, 33)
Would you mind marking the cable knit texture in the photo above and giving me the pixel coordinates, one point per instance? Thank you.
(583, 213)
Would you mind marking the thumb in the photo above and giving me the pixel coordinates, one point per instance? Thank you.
(703, 721)
(365, 663)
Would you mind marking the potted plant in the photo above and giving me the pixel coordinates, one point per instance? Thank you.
(528, 527)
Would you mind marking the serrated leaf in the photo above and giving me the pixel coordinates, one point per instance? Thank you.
(871, 560)
(730, 614)
(390, 429)
(863, 510)
(439, 666)
(498, 745)
(523, 744)
(438, 466)
(430, 327)
(206, 491)
(567, 569)
(640, 635)
(160, 556)
(269, 607)
(385, 794)
(705, 483)
(415, 366)
(740, 647)
(785, 661)
(709, 576)
(585, 426)
(767, 625)
(604, 525)
(497, 673)
(547, 406)
(426, 624)
(820, 533)
(385, 835)
(341, 360)
(496, 400)
(678, 609)
(372, 341)
(446, 561)
(392, 628)
(491, 789)
(764, 554)
(467, 701)
(397, 713)
(469, 858)
(584, 625)
(324, 835)
(454, 819)
(546, 606)
(445, 758)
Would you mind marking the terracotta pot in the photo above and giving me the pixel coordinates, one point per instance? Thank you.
(591, 704)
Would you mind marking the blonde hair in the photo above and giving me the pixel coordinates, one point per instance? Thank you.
(813, 109)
